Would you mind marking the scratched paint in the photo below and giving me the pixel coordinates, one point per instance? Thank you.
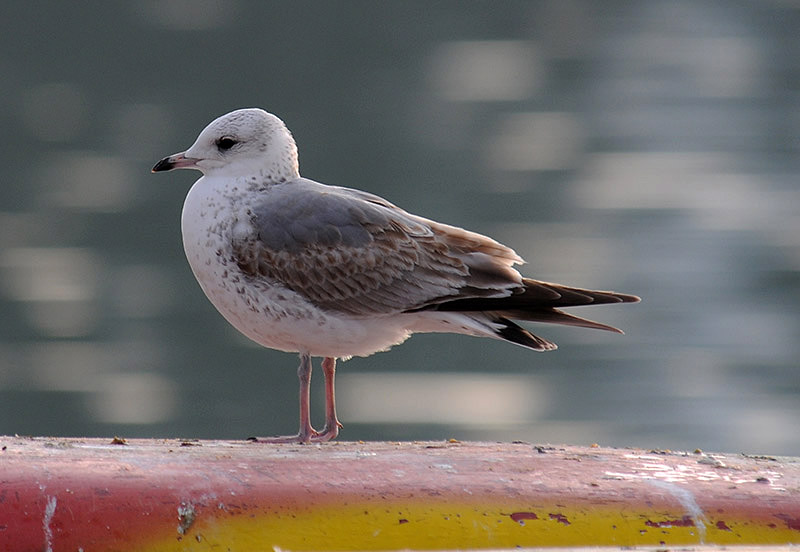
(49, 512)
(160, 496)
(649, 467)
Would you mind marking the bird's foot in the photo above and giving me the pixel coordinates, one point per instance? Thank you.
(279, 439)
(329, 433)
(304, 437)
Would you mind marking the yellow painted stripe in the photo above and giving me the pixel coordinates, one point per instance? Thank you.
(452, 526)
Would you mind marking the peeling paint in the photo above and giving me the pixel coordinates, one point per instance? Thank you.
(49, 512)
(685, 521)
(520, 517)
(654, 467)
(791, 522)
(561, 518)
(722, 526)
(186, 517)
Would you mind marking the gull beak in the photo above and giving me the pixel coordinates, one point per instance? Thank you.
(176, 161)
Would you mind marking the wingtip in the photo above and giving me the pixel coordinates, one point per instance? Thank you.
(615, 297)
(518, 335)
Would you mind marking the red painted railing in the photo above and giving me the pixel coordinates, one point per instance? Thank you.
(155, 495)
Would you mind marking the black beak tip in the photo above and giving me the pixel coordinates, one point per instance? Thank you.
(163, 165)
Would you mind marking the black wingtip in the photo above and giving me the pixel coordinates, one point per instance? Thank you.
(518, 335)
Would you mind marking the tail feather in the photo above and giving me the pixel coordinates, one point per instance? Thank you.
(537, 301)
(520, 336)
(536, 296)
(556, 316)
(547, 294)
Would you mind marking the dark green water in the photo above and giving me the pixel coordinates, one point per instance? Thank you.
(645, 146)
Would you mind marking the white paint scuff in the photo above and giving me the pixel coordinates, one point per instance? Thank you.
(49, 512)
(686, 499)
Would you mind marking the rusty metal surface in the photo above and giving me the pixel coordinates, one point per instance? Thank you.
(90, 494)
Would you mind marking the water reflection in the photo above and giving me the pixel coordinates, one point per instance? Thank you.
(56, 286)
(645, 146)
(489, 70)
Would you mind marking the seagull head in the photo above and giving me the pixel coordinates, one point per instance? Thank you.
(245, 142)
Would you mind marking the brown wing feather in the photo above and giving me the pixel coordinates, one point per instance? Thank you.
(396, 271)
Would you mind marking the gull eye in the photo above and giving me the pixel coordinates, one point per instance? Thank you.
(225, 143)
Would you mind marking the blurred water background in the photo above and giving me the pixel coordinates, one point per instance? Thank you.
(645, 146)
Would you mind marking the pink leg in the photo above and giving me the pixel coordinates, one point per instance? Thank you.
(306, 432)
(304, 375)
(332, 424)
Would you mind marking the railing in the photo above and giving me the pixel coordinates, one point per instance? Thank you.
(159, 495)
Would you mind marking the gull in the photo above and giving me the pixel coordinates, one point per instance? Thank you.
(333, 272)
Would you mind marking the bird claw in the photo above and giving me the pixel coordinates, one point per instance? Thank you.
(302, 438)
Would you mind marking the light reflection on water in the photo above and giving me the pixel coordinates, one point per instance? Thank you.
(643, 146)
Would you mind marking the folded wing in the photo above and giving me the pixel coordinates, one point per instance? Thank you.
(356, 254)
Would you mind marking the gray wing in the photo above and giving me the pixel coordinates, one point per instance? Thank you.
(354, 252)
